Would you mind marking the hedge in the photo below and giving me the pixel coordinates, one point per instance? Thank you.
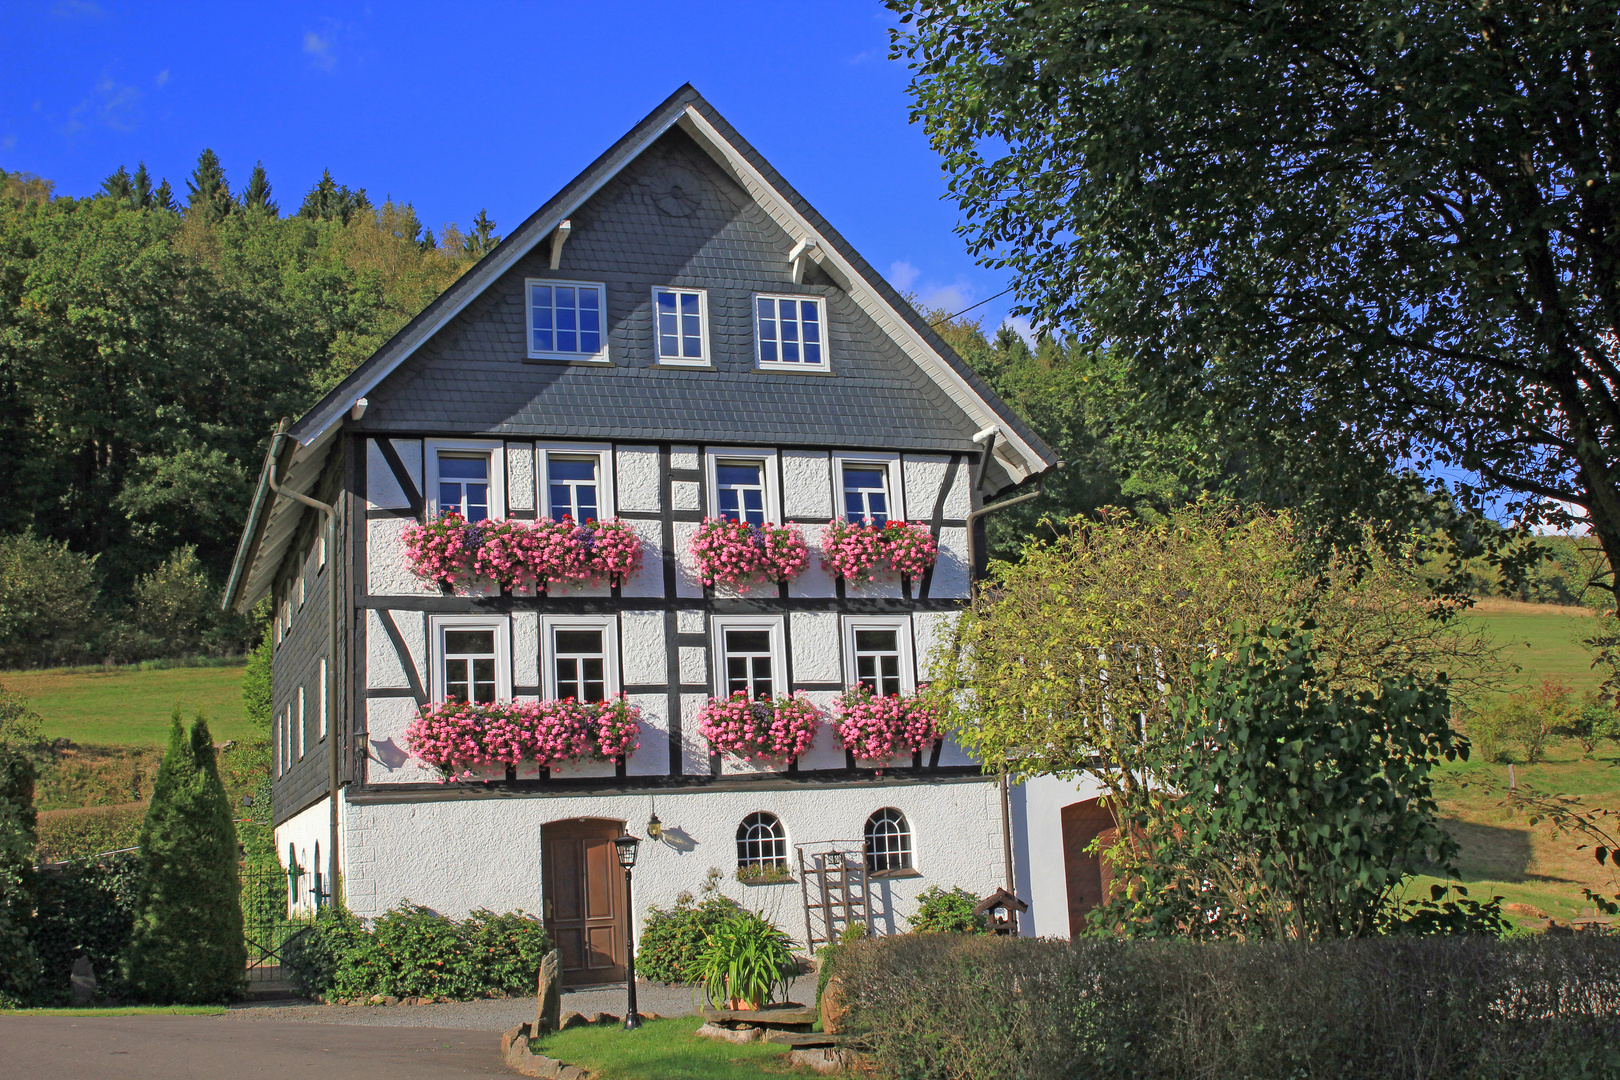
(945, 1006)
(84, 909)
(89, 831)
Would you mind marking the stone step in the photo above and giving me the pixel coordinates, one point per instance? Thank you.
(804, 1040)
(787, 1014)
(271, 990)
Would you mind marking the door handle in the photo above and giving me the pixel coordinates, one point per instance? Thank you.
(546, 906)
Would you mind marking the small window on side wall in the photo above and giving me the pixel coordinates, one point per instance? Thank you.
(571, 486)
(469, 666)
(761, 842)
(464, 485)
(566, 321)
(888, 841)
(788, 331)
(740, 491)
(681, 320)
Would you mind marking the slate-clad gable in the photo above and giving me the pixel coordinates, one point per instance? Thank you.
(473, 375)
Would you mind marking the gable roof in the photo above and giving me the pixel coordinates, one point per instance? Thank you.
(1019, 452)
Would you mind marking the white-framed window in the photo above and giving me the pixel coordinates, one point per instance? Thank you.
(576, 481)
(877, 653)
(743, 486)
(323, 697)
(276, 727)
(790, 333)
(580, 657)
(287, 739)
(748, 656)
(869, 487)
(302, 590)
(888, 841)
(320, 553)
(301, 725)
(681, 326)
(761, 841)
(471, 658)
(568, 321)
(276, 622)
(467, 476)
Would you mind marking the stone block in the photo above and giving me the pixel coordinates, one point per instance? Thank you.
(548, 994)
(82, 981)
(573, 1020)
(736, 1035)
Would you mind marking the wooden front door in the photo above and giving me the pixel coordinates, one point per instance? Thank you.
(1085, 874)
(584, 895)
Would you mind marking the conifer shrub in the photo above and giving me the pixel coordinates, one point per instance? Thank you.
(188, 945)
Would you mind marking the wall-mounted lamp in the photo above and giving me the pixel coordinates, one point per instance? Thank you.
(655, 828)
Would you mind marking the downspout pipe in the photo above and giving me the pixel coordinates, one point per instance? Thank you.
(333, 726)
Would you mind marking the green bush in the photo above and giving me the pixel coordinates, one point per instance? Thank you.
(1518, 726)
(47, 602)
(188, 944)
(1591, 721)
(941, 912)
(672, 940)
(84, 909)
(745, 959)
(18, 964)
(88, 831)
(952, 1007)
(412, 951)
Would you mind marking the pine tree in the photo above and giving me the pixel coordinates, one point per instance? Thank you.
(143, 186)
(163, 199)
(257, 192)
(329, 200)
(209, 194)
(118, 185)
(482, 241)
(18, 966)
(187, 944)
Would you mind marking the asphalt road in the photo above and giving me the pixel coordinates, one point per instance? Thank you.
(215, 1048)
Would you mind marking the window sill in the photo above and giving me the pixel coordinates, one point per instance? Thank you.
(890, 874)
(766, 881)
(689, 365)
(567, 358)
(795, 369)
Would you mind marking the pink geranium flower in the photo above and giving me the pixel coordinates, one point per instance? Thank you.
(776, 730)
(458, 737)
(860, 551)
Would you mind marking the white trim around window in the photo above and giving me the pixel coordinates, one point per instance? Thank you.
(550, 624)
(890, 463)
(549, 336)
(800, 336)
(772, 624)
(602, 452)
(901, 625)
(766, 458)
(431, 448)
(499, 624)
(680, 322)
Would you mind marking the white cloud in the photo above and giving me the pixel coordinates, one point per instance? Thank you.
(112, 105)
(162, 77)
(319, 50)
(1579, 527)
(948, 298)
(1022, 328)
(902, 274)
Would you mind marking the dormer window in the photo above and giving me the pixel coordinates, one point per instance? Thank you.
(566, 321)
(789, 333)
(682, 320)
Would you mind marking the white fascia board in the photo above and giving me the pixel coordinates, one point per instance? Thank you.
(875, 306)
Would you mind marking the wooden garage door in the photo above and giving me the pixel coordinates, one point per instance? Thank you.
(584, 890)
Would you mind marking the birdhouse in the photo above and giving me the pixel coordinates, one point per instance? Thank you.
(1000, 911)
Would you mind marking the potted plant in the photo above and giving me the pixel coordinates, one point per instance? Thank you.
(737, 553)
(773, 729)
(877, 728)
(746, 962)
(858, 551)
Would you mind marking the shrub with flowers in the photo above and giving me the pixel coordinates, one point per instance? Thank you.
(778, 729)
(859, 551)
(458, 737)
(877, 728)
(737, 553)
(451, 550)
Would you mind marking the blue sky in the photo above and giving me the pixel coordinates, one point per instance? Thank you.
(460, 107)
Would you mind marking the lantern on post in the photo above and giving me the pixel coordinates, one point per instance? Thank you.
(626, 846)
(1000, 911)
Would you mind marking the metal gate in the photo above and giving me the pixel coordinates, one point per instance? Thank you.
(265, 923)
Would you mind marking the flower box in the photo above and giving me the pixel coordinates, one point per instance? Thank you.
(737, 553)
(876, 729)
(858, 552)
(775, 730)
(451, 551)
(457, 737)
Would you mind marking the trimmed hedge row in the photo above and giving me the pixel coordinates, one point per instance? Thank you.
(946, 1006)
(88, 831)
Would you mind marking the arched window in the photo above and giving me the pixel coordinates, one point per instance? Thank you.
(888, 841)
(761, 841)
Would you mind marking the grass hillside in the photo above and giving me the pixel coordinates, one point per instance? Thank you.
(131, 706)
(1543, 640)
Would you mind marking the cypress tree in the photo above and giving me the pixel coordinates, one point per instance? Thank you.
(187, 944)
(18, 967)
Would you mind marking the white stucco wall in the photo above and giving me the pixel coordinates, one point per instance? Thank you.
(310, 834)
(1038, 850)
(458, 855)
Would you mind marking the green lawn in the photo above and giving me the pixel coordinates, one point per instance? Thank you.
(131, 706)
(1544, 641)
(662, 1050)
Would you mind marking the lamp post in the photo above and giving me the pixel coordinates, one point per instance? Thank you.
(626, 846)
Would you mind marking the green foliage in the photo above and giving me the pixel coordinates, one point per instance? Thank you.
(1299, 807)
(1444, 915)
(84, 909)
(941, 912)
(85, 832)
(1592, 720)
(1271, 213)
(256, 688)
(666, 1049)
(47, 598)
(209, 195)
(950, 1007)
(672, 939)
(1527, 722)
(18, 963)
(19, 725)
(412, 951)
(745, 959)
(187, 946)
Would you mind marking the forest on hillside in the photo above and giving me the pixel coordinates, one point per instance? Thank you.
(150, 339)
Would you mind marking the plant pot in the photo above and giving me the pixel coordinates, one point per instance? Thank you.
(741, 1005)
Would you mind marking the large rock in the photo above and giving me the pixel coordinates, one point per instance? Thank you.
(787, 1014)
(548, 995)
(833, 1009)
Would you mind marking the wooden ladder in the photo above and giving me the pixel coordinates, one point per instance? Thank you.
(836, 891)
